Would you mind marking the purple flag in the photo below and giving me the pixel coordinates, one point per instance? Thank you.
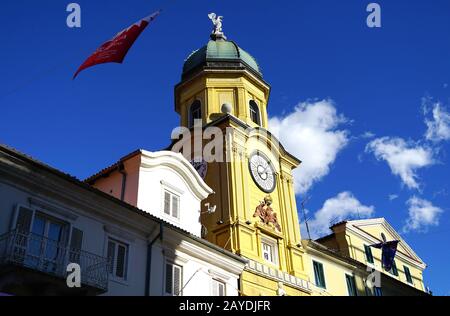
(388, 251)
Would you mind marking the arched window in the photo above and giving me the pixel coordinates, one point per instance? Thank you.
(195, 112)
(254, 112)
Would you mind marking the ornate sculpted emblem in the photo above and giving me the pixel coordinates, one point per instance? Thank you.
(266, 213)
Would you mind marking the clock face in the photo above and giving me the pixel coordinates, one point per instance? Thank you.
(262, 172)
(201, 166)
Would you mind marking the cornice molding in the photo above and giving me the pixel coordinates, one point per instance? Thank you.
(120, 233)
(53, 207)
(278, 276)
(176, 161)
(86, 203)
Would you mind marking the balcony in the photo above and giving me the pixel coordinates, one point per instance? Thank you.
(34, 265)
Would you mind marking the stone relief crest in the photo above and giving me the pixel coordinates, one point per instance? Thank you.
(266, 214)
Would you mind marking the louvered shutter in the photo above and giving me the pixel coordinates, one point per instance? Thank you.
(322, 276)
(351, 286)
(176, 281)
(167, 203)
(408, 274)
(394, 268)
(175, 206)
(221, 289)
(76, 244)
(121, 261)
(24, 218)
(111, 256)
(169, 278)
(368, 251)
(215, 290)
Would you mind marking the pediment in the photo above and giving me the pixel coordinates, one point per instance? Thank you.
(371, 229)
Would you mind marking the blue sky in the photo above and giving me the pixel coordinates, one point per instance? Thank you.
(321, 60)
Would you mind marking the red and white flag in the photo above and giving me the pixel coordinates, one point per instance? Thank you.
(115, 50)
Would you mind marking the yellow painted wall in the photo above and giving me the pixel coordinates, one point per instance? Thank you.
(256, 285)
(353, 244)
(233, 226)
(334, 272)
(416, 273)
(215, 89)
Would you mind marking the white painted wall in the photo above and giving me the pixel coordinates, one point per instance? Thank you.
(197, 273)
(148, 174)
(100, 218)
(153, 182)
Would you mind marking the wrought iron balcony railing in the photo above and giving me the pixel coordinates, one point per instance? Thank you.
(52, 257)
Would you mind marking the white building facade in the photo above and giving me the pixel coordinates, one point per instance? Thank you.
(161, 183)
(49, 219)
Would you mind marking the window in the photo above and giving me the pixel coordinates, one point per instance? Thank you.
(377, 291)
(48, 236)
(254, 113)
(394, 270)
(195, 112)
(173, 285)
(319, 275)
(269, 251)
(368, 251)
(171, 204)
(408, 275)
(351, 285)
(43, 239)
(117, 259)
(218, 288)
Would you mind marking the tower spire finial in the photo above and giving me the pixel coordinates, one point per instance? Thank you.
(217, 33)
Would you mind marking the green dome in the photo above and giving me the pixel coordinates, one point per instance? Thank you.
(220, 54)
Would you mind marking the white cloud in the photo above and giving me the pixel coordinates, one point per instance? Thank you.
(344, 206)
(311, 133)
(393, 197)
(438, 127)
(422, 214)
(368, 134)
(404, 158)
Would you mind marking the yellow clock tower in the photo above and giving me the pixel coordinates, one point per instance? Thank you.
(255, 214)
